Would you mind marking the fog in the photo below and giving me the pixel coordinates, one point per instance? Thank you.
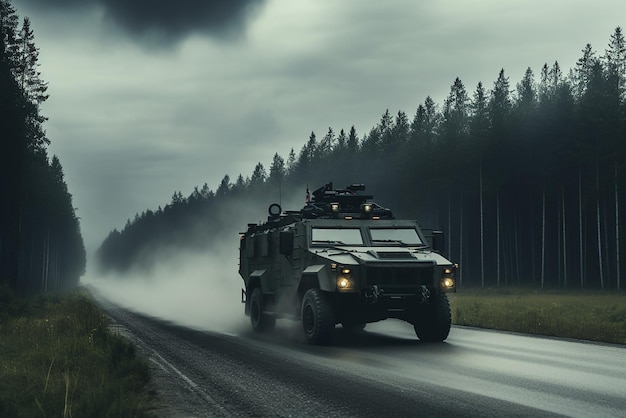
(197, 289)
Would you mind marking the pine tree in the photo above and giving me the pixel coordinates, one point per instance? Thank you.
(353, 141)
(342, 142)
(615, 59)
(582, 73)
(9, 33)
(224, 188)
(258, 178)
(499, 110)
(14, 112)
(326, 145)
(277, 171)
(240, 184)
(479, 127)
(500, 102)
(400, 131)
(455, 113)
(526, 94)
(425, 122)
(32, 86)
(291, 162)
(307, 158)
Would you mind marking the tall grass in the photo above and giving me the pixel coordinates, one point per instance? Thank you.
(58, 359)
(593, 316)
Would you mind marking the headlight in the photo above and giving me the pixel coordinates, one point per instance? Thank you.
(344, 283)
(447, 283)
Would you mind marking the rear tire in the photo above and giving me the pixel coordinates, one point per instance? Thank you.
(318, 318)
(260, 322)
(434, 321)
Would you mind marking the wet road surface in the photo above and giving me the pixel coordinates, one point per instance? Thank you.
(382, 371)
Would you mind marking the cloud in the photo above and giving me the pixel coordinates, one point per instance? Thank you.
(161, 21)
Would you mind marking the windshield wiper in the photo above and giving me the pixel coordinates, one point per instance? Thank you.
(394, 241)
(327, 241)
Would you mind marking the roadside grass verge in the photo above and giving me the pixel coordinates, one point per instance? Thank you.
(593, 316)
(58, 359)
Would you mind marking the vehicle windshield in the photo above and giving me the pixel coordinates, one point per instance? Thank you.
(404, 236)
(341, 236)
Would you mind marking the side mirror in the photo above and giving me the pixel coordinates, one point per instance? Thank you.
(438, 241)
(285, 245)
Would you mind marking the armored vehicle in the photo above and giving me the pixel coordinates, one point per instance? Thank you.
(343, 259)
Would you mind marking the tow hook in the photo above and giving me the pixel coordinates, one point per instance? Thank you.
(373, 294)
(424, 294)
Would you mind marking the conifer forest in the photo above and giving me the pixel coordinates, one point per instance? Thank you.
(41, 246)
(526, 179)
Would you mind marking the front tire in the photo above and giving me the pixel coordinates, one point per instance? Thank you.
(434, 321)
(260, 322)
(318, 318)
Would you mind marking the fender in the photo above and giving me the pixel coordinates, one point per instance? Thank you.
(258, 278)
(316, 276)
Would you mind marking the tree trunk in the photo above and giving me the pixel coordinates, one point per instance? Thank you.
(516, 256)
(543, 235)
(563, 227)
(599, 235)
(498, 237)
(580, 226)
(449, 226)
(482, 231)
(616, 192)
(605, 253)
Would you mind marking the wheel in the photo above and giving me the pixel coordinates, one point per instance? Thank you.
(260, 322)
(318, 319)
(433, 323)
(353, 326)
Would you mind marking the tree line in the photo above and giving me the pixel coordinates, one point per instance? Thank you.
(41, 246)
(526, 181)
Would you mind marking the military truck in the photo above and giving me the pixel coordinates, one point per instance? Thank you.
(344, 259)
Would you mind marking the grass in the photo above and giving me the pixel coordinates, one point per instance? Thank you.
(594, 316)
(59, 359)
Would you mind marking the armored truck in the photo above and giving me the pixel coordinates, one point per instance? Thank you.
(344, 259)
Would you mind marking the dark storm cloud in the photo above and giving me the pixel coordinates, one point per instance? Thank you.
(164, 19)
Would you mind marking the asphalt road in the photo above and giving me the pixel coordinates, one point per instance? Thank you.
(383, 371)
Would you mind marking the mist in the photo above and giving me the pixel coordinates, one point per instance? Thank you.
(200, 289)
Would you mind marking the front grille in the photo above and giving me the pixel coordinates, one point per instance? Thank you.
(391, 276)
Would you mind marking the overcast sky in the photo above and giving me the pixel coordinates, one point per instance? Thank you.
(148, 97)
